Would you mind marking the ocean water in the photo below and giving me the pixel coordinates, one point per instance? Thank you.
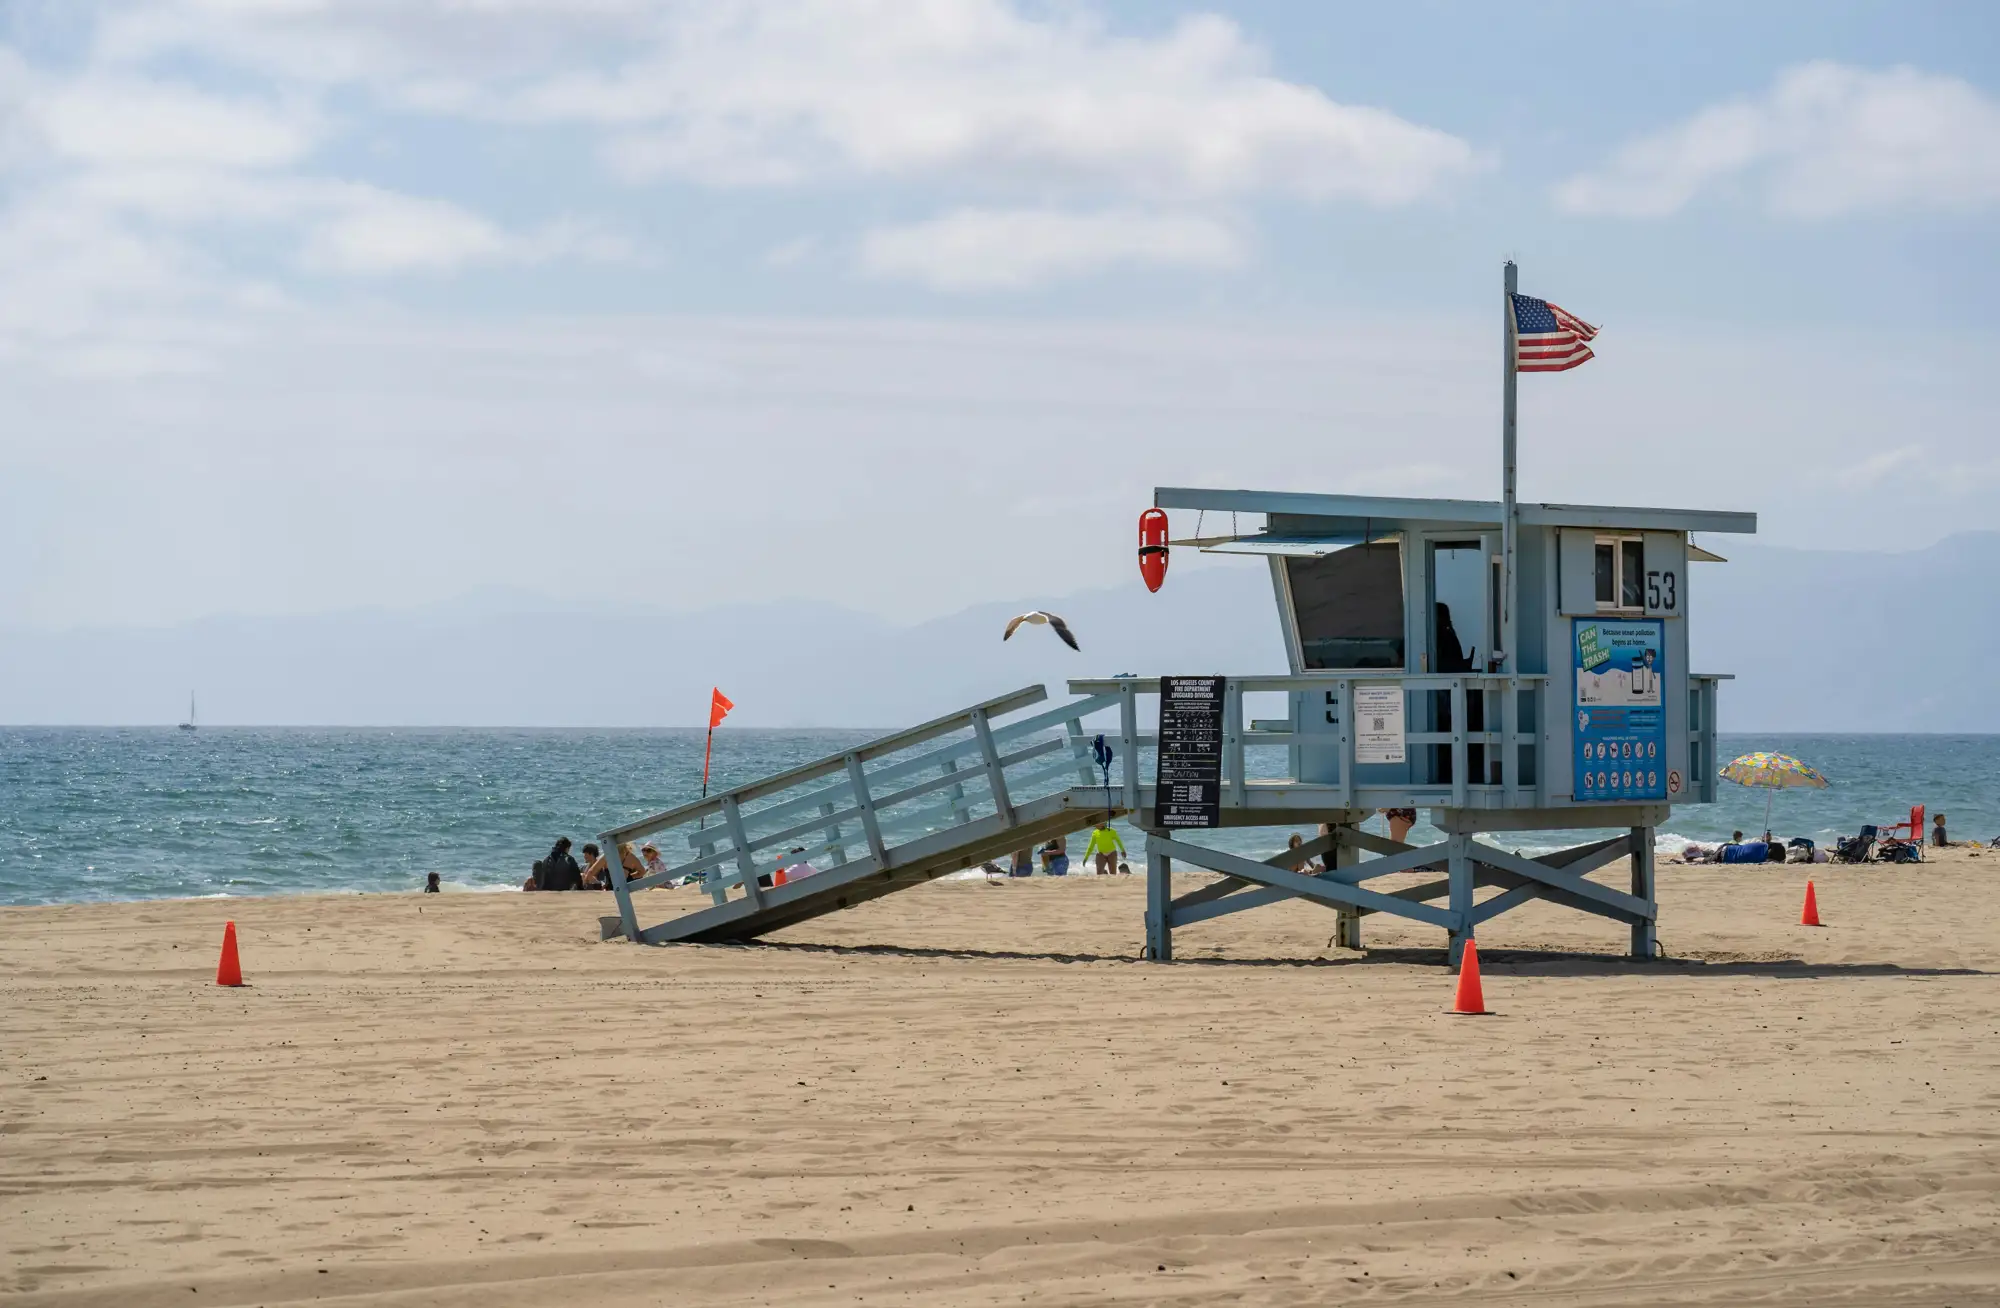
(147, 813)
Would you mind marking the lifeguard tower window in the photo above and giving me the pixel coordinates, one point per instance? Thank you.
(1348, 606)
(1621, 572)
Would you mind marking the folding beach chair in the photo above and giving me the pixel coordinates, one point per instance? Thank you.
(1912, 831)
(1855, 849)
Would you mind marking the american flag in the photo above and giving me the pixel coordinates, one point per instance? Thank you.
(1547, 338)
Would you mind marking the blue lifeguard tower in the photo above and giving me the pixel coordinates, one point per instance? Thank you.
(1509, 667)
(1401, 694)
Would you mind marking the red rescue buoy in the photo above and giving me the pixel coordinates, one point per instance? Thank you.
(1153, 547)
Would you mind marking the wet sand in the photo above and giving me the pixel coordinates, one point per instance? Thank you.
(974, 1094)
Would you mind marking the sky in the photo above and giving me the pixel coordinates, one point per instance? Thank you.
(905, 305)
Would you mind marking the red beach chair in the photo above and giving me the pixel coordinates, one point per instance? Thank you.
(1914, 827)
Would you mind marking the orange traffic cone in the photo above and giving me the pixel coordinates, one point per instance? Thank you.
(229, 972)
(1811, 915)
(779, 878)
(1471, 998)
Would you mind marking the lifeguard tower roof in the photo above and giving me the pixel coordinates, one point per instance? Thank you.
(1369, 513)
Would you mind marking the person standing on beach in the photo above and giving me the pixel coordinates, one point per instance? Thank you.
(1104, 848)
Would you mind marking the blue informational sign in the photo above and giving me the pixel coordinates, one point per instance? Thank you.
(1620, 742)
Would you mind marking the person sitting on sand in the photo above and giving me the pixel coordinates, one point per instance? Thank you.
(1937, 833)
(1303, 866)
(627, 859)
(1695, 853)
(431, 886)
(596, 872)
(559, 869)
(649, 858)
(1104, 848)
(1023, 863)
(1055, 858)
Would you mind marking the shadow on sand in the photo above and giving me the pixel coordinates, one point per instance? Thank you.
(1515, 962)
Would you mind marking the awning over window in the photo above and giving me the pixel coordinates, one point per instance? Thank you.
(1312, 546)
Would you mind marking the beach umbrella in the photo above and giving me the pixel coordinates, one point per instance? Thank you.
(1774, 772)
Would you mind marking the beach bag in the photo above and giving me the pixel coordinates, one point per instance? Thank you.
(1750, 851)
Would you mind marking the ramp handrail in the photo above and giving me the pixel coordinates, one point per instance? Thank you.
(823, 766)
(978, 762)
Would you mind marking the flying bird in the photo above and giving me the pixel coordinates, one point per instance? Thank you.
(1040, 617)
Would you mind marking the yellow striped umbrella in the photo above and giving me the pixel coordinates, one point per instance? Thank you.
(1774, 772)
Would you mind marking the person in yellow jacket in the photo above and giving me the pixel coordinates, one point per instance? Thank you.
(1105, 847)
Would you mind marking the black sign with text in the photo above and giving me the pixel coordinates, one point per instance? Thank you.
(1188, 779)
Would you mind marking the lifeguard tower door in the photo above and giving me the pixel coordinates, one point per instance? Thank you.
(1460, 639)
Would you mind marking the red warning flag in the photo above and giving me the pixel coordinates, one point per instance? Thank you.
(718, 709)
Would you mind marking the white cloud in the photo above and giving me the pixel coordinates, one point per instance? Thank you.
(153, 123)
(976, 91)
(370, 231)
(765, 92)
(1826, 139)
(380, 232)
(1006, 249)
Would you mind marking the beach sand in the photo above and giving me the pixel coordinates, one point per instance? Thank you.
(972, 1094)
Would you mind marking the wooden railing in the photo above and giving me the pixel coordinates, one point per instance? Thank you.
(1505, 743)
(865, 803)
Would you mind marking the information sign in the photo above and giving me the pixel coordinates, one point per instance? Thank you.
(1378, 724)
(1188, 775)
(1619, 742)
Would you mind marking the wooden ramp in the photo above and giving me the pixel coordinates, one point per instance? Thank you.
(896, 812)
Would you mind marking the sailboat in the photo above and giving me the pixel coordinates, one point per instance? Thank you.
(189, 724)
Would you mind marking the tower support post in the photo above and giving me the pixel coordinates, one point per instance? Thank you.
(1645, 933)
(1159, 906)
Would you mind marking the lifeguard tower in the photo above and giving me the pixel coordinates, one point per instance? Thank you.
(1508, 667)
(1400, 695)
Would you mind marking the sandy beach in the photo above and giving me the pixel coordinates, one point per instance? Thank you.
(974, 1094)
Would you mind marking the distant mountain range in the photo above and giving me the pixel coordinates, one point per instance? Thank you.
(1818, 640)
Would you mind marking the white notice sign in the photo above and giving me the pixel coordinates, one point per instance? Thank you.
(1378, 724)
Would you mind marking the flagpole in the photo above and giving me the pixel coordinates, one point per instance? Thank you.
(1508, 514)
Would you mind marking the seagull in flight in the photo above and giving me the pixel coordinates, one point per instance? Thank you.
(1042, 617)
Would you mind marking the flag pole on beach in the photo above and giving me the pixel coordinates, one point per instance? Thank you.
(1537, 336)
(1510, 375)
(718, 709)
